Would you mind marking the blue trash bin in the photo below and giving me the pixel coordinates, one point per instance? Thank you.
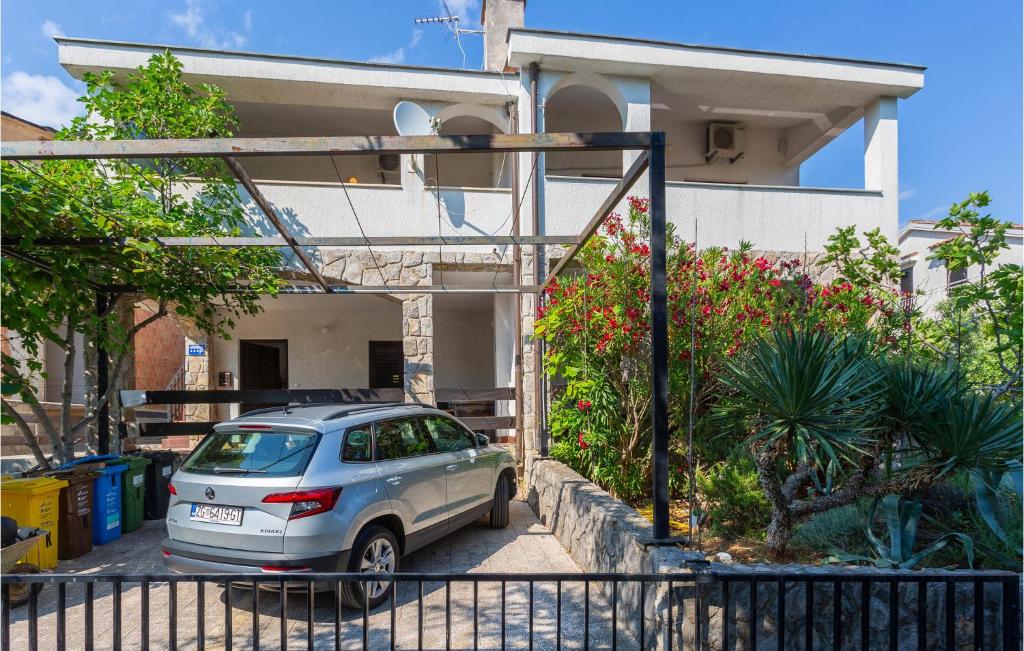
(106, 497)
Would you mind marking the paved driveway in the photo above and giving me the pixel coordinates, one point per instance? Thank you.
(524, 547)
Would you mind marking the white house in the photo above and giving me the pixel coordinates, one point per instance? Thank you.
(930, 278)
(739, 124)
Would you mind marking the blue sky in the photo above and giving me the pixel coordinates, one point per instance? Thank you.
(962, 133)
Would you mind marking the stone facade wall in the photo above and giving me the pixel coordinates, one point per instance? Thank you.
(603, 534)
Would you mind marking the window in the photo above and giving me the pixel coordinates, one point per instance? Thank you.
(958, 277)
(358, 444)
(387, 364)
(907, 281)
(402, 437)
(281, 454)
(447, 435)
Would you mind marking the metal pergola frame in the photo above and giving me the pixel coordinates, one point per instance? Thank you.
(651, 159)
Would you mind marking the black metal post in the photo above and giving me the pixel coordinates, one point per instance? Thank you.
(102, 380)
(659, 337)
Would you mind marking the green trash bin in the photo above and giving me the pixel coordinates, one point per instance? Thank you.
(133, 492)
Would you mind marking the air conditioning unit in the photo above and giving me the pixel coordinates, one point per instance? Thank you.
(388, 167)
(725, 142)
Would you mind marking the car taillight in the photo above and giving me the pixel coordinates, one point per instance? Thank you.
(306, 503)
(171, 489)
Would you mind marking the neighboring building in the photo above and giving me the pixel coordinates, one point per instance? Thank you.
(763, 113)
(930, 278)
(14, 128)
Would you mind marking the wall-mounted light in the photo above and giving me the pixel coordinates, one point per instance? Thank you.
(352, 179)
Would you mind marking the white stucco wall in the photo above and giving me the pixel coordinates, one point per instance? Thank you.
(770, 217)
(337, 359)
(761, 164)
(463, 342)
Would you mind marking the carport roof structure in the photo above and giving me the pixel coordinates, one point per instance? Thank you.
(651, 159)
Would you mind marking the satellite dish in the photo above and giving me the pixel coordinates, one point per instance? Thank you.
(411, 119)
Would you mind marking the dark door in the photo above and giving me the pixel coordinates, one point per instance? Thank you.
(387, 364)
(263, 365)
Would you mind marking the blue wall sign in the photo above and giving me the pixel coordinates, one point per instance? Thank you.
(196, 350)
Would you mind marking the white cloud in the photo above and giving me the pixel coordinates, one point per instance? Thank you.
(51, 29)
(907, 194)
(398, 56)
(417, 34)
(39, 98)
(467, 10)
(192, 21)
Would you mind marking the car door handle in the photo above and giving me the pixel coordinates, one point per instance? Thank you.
(452, 466)
(394, 480)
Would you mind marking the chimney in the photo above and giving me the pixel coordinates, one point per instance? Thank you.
(497, 17)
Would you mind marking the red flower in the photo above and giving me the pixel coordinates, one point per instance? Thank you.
(583, 444)
(775, 282)
(639, 205)
(583, 405)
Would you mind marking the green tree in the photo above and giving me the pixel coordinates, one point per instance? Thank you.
(994, 299)
(50, 293)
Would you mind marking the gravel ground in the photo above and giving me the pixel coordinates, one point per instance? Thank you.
(524, 547)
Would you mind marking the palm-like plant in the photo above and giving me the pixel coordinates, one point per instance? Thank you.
(967, 431)
(805, 392)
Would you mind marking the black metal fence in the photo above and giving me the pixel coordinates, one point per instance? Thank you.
(701, 610)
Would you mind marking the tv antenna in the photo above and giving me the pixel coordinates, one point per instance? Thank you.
(451, 21)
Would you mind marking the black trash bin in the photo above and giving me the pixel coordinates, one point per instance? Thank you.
(158, 478)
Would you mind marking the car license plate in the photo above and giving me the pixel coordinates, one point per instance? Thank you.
(217, 514)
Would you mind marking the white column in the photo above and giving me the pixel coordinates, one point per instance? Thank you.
(637, 94)
(881, 158)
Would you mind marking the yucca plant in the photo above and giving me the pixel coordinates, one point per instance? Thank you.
(968, 431)
(810, 401)
(895, 549)
(807, 393)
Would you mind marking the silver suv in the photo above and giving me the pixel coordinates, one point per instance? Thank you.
(347, 488)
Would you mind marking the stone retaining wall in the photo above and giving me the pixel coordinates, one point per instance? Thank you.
(603, 534)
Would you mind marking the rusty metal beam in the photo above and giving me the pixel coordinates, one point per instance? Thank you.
(617, 194)
(373, 289)
(322, 145)
(232, 241)
(271, 214)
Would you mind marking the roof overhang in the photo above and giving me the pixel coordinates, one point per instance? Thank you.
(279, 79)
(637, 57)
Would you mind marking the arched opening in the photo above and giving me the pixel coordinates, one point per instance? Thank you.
(582, 109)
(485, 170)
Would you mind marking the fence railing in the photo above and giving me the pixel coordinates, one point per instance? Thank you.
(920, 610)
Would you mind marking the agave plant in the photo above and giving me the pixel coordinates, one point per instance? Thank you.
(902, 517)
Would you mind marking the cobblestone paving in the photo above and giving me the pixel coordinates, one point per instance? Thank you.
(524, 547)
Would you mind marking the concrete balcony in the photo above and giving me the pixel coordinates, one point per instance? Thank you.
(777, 218)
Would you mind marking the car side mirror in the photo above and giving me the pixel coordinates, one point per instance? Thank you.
(482, 440)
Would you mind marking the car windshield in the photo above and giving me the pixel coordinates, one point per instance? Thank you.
(277, 454)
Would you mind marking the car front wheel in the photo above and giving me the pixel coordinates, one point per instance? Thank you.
(375, 553)
(499, 508)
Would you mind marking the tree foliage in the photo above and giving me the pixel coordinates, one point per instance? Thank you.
(50, 293)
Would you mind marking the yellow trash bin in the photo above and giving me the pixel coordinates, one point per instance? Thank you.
(34, 503)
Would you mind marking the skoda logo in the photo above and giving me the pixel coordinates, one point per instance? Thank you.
(210, 494)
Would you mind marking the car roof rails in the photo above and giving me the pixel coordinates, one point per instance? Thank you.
(363, 406)
(343, 411)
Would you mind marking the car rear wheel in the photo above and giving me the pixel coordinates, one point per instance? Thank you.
(375, 553)
(499, 508)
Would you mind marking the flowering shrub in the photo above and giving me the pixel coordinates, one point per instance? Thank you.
(597, 326)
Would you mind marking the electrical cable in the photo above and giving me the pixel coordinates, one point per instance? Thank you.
(362, 232)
